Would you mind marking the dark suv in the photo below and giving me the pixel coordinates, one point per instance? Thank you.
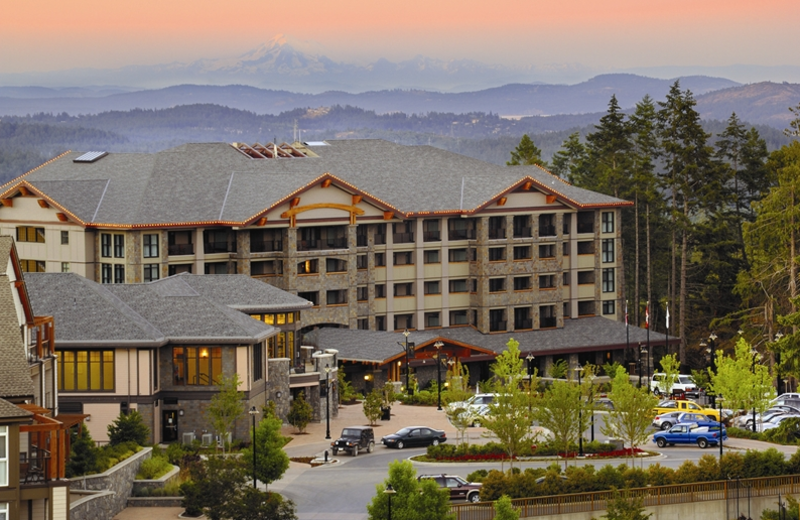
(355, 439)
(458, 487)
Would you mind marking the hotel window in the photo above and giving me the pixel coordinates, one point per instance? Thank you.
(336, 297)
(119, 246)
(497, 284)
(522, 253)
(404, 289)
(430, 231)
(404, 258)
(64, 238)
(432, 320)
(380, 259)
(586, 308)
(363, 323)
(547, 316)
(86, 370)
(608, 280)
(547, 225)
(403, 321)
(522, 226)
(585, 277)
(431, 256)
(522, 283)
(497, 254)
(380, 290)
(30, 234)
(180, 268)
(566, 223)
(151, 272)
(380, 322)
(308, 266)
(433, 287)
(586, 247)
(312, 296)
(608, 222)
(361, 262)
(64, 267)
(258, 362)
(4, 506)
(119, 273)
(458, 318)
(547, 281)
(3, 467)
(266, 268)
(457, 255)
(105, 273)
(547, 251)
(362, 293)
(32, 266)
(334, 265)
(458, 286)
(150, 246)
(608, 250)
(105, 245)
(565, 248)
(608, 307)
(565, 279)
(196, 365)
(497, 227)
(155, 369)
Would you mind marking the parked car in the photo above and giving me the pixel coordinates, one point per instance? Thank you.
(683, 383)
(665, 421)
(414, 436)
(690, 433)
(458, 487)
(473, 403)
(354, 439)
(476, 416)
(669, 405)
(698, 418)
(746, 421)
(776, 421)
(603, 403)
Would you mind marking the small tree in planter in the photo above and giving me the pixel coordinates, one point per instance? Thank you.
(300, 413)
(372, 406)
(130, 427)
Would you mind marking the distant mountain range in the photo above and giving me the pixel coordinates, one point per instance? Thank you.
(762, 103)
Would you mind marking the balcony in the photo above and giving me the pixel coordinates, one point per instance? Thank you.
(524, 232)
(322, 244)
(180, 249)
(547, 323)
(461, 234)
(547, 230)
(380, 240)
(403, 238)
(497, 326)
(267, 246)
(496, 233)
(211, 248)
(362, 241)
(431, 236)
(523, 324)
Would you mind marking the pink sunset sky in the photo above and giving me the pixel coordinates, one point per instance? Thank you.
(605, 34)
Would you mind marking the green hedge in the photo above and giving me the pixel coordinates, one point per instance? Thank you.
(583, 479)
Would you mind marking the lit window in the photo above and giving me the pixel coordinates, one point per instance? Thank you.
(86, 370)
(196, 365)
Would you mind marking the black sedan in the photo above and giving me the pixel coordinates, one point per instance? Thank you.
(414, 436)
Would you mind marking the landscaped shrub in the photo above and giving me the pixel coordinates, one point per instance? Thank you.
(180, 454)
(110, 455)
(687, 473)
(300, 413)
(658, 475)
(767, 463)
(477, 476)
(83, 453)
(494, 486)
(153, 468)
(634, 477)
(609, 477)
(708, 468)
(130, 427)
(731, 465)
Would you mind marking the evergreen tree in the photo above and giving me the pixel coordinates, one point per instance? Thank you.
(568, 162)
(83, 453)
(609, 148)
(128, 427)
(300, 412)
(526, 154)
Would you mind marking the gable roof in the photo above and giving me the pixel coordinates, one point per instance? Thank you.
(215, 183)
(145, 315)
(11, 411)
(15, 374)
(577, 335)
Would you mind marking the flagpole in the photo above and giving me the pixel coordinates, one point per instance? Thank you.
(647, 326)
(666, 338)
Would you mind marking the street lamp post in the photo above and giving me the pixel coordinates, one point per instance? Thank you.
(529, 358)
(720, 431)
(253, 412)
(753, 370)
(643, 351)
(639, 362)
(438, 345)
(712, 363)
(408, 367)
(389, 491)
(580, 412)
(591, 400)
(328, 370)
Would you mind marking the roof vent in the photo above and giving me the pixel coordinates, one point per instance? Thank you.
(90, 157)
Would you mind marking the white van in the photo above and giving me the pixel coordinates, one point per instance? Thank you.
(683, 383)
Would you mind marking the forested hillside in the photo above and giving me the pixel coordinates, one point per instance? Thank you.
(25, 142)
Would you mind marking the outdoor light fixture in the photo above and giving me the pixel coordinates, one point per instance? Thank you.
(438, 346)
(579, 370)
(408, 367)
(389, 491)
(253, 412)
(328, 401)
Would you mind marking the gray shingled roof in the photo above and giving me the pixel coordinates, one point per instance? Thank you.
(15, 374)
(214, 182)
(580, 335)
(239, 292)
(88, 314)
(8, 411)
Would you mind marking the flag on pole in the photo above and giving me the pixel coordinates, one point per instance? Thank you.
(667, 315)
(647, 315)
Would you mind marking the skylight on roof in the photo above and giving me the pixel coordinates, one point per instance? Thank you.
(316, 143)
(90, 157)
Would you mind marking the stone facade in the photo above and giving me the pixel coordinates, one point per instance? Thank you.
(116, 486)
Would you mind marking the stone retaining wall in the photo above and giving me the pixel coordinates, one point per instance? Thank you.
(139, 485)
(111, 489)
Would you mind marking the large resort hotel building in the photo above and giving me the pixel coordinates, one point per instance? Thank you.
(378, 236)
